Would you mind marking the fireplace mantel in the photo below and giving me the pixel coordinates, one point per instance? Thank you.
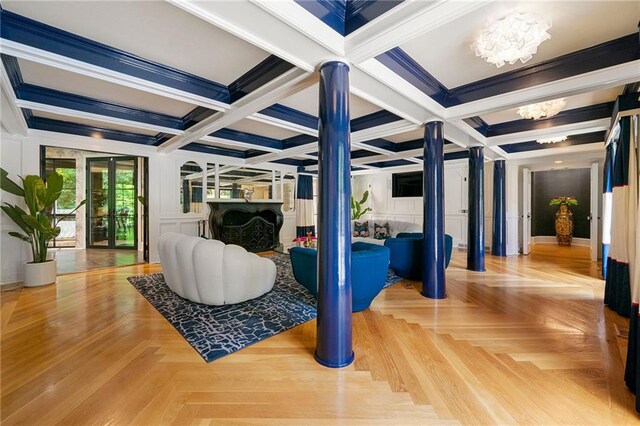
(253, 225)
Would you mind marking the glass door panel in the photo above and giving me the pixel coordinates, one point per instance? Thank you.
(112, 202)
(98, 200)
(125, 202)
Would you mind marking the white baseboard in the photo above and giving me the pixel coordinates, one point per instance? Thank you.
(582, 242)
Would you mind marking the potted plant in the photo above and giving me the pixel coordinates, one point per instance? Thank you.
(37, 229)
(564, 219)
(356, 206)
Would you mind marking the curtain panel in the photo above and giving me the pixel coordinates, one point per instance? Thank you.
(304, 206)
(622, 288)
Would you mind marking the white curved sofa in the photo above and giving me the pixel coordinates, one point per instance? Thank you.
(211, 272)
(395, 227)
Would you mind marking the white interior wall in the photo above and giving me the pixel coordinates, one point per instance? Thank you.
(409, 209)
(21, 156)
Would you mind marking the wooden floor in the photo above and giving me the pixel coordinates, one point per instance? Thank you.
(527, 342)
(81, 260)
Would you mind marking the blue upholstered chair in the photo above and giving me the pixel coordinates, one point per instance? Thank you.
(369, 266)
(406, 254)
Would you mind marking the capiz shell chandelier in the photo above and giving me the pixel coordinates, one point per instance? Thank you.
(512, 38)
(542, 109)
(552, 140)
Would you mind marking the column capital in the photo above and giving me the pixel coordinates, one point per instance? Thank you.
(335, 62)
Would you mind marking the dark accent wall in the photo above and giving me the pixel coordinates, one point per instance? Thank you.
(548, 184)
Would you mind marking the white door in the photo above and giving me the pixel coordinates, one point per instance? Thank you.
(456, 204)
(593, 215)
(526, 210)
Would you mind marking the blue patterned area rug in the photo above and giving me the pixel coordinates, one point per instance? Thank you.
(216, 331)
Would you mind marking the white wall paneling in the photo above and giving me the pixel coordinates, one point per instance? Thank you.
(21, 156)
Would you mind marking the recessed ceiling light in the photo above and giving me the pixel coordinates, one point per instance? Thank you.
(558, 161)
(512, 38)
(544, 109)
(553, 140)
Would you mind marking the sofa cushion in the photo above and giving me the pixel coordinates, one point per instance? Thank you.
(381, 232)
(361, 229)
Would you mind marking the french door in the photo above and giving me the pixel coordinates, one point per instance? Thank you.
(112, 205)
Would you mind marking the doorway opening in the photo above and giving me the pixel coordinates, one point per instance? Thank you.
(539, 187)
(112, 228)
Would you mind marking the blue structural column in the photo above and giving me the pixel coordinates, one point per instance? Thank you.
(475, 234)
(433, 279)
(499, 236)
(334, 347)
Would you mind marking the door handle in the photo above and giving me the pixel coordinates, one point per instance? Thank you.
(589, 218)
(464, 211)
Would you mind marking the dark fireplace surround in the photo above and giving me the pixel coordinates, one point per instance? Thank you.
(252, 225)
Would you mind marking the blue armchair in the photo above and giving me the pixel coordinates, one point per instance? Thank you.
(406, 254)
(369, 266)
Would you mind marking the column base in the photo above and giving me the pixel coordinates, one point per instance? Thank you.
(433, 295)
(334, 365)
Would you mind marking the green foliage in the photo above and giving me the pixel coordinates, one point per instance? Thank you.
(570, 201)
(356, 206)
(39, 197)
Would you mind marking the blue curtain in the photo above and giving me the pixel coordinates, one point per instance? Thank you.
(607, 199)
(304, 206)
(618, 288)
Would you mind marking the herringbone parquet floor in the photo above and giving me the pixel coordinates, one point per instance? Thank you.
(527, 342)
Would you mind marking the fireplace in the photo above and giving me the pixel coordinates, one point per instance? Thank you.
(252, 225)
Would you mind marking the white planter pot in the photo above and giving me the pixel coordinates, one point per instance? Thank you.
(37, 274)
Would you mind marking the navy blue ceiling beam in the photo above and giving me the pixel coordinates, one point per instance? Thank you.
(374, 119)
(257, 76)
(398, 61)
(206, 149)
(250, 138)
(576, 115)
(346, 16)
(574, 140)
(291, 115)
(41, 95)
(58, 126)
(360, 12)
(26, 31)
(604, 55)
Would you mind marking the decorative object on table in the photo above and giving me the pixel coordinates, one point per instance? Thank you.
(514, 37)
(248, 194)
(361, 229)
(211, 272)
(356, 206)
(564, 219)
(370, 271)
(37, 228)
(381, 232)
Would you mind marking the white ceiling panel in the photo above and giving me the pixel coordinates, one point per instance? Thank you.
(65, 81)
(446, 53)
(154, 30)
(94, 123)
(577, 101)
(257, 128)
(307, 101)
(407, 136)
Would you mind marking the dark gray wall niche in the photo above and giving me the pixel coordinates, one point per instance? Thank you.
(548, 184)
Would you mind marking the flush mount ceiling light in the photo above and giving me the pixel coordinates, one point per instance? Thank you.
(512, 38)
(542, 109)
(553, 140)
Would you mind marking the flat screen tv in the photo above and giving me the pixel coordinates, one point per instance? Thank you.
(406, 184)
